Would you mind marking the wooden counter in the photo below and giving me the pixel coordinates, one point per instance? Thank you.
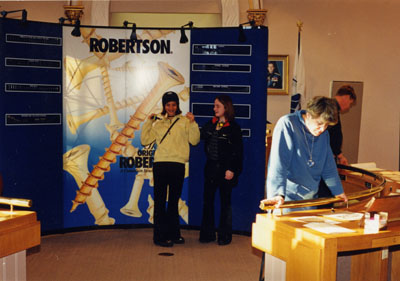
(18, 231)
(297, 253)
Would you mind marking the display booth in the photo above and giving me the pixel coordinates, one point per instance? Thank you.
(72, 110)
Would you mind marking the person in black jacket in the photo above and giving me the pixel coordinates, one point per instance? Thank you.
(345, 98)
(224, 151)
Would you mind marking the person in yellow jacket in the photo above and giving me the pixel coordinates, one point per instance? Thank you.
(173, 134)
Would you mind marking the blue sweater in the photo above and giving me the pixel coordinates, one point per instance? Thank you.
(288, 172)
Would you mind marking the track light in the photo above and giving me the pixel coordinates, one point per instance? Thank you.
(77, 29)
(184, 38)
(62, 20)
(242, 36)
(24, 14)
(133, 36)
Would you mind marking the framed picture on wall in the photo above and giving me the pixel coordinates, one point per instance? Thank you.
(278, 74)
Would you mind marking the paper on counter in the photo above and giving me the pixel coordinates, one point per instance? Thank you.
(328, 228)
(345, 216)
(314, 219)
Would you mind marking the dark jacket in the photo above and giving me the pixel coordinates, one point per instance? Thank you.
(336, 136)
(230, 145)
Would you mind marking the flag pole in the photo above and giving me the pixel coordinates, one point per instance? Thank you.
(298, 74)
(300, 27)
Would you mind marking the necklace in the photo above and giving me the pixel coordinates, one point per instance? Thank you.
(310, 162)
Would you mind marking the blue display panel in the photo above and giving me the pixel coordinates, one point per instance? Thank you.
(220, 64)
(32, 129)
(30, 116)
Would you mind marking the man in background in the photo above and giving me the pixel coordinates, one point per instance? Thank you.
(345, 99)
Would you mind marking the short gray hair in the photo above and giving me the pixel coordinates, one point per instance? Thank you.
(323, 107)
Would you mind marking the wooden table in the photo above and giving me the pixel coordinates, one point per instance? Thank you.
(296, 253)
(18, 231)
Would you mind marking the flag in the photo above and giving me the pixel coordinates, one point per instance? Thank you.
(299, 78)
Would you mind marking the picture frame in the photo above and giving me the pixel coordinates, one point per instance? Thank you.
(278, 75)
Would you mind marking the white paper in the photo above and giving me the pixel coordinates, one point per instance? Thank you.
(345, 216)
(328, 228)
(315, 219)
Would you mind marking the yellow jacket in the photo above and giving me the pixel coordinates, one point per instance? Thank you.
(175, 146)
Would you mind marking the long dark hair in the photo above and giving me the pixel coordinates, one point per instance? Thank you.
(228, 105)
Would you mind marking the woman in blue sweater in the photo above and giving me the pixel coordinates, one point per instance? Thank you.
(301, 155)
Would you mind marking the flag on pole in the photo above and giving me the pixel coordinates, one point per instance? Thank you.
(299, 77)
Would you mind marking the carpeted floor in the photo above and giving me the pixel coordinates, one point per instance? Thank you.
(129, 254)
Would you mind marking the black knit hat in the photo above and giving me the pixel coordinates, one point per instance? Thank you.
(170, 96)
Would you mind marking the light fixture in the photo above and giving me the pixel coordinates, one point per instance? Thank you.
(77, 29)
(184, 38)
(242, 36)
(24, 14)
(258, 15)
(62, 20)
(73, 11)
(133, 36)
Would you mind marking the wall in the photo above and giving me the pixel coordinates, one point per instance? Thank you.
(47, 11)
(165, 20)
(353, 40)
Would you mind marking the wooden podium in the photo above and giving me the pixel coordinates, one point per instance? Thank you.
(19, 231)
(296, 253)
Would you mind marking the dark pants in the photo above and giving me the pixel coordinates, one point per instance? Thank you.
(215, 179)
(168, 176)
(323, 192)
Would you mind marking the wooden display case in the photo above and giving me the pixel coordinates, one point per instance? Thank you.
(296, 253)
(19, 231)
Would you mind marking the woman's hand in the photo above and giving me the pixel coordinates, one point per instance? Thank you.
(151, 116)
(229, 175)
(343, 197)
(190, 116)
(277, 201)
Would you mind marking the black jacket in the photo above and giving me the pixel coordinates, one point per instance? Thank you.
(230, 145)
(336, 136)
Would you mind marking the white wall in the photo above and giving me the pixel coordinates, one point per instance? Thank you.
(353, 40)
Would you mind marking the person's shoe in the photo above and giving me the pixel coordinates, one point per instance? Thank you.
(206, 240)
(165, 243)
(223, 242)
(180, 240)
